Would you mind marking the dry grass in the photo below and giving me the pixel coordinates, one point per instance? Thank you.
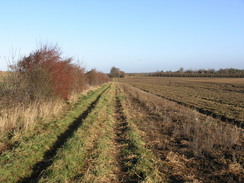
(207, 135)
(24, 117)
(1, 75)
(18, 113)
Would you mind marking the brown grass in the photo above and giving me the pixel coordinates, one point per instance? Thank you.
(24, 117)
(3, 74)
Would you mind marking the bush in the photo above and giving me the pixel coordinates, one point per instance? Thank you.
(33, 88)
(116, 73)
(46, 74)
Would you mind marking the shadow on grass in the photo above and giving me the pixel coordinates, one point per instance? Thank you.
(47, 160)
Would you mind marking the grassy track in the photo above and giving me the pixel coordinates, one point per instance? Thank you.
(138, 163)
(83, 155)
(18, 163)
(97, 153)
(94, 142)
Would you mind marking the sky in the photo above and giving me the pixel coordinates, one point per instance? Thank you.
(133, 35)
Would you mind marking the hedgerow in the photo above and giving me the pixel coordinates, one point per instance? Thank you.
(45, 74)
(39, 85)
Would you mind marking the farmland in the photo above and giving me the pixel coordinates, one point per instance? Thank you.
(189, 146)
(119, 133)
(221, 97)
(122, 92)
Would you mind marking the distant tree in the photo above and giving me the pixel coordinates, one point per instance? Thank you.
(211, 71)
(116, 73)
(92, 76)
(122, 74)
(96, 78)
(181, 70)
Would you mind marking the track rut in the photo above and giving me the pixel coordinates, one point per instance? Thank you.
(48, 157)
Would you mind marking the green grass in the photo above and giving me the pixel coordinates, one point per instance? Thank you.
(88, 155)
(84, 158)
(18, 162)
(100, 161)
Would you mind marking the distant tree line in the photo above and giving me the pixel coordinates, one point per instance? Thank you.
(116, 73)
(229, 72)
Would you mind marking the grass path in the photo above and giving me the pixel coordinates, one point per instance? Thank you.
(106, 148)
(17, 163)
(95, 142)
(138, 163)
(79, 159)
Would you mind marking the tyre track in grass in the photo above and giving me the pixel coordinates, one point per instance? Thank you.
(136, 162)
(48, 157)
(96, 162)
(18, 163)
(122, 143)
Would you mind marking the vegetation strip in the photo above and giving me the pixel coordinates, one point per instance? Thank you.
(202, 111)
(18, 162)
(137, 162)
(122, 142)
(84, 158)
(100, 160)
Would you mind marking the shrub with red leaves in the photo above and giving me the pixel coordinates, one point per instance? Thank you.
(44, 75)
(49, 75)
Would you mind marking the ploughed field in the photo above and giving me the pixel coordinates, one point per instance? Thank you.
(220, 97)
(119, 133)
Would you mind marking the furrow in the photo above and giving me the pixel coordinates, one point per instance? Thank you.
(202, 110)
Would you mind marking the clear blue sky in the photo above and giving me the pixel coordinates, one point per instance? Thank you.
(134, 35)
